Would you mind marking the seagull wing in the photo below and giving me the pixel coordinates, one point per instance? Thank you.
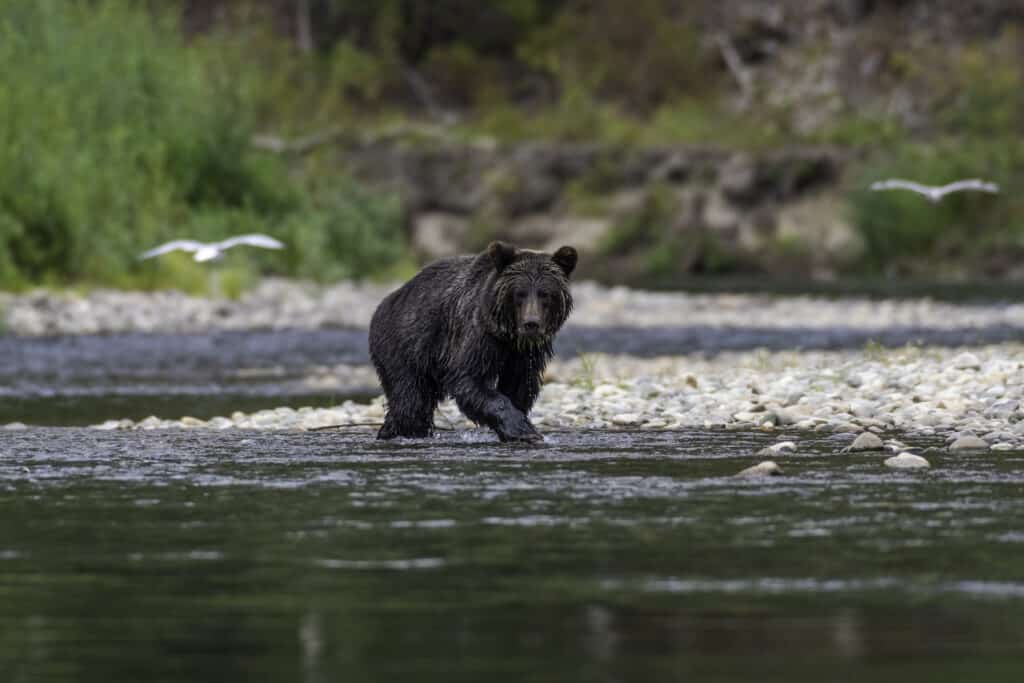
(901, 184)
(253, 240)
(970, 184)
(175, 245)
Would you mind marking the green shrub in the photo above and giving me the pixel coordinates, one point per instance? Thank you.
(291, 92)
(901, 226)
(116, 135)
(981, 88)
(343, 231)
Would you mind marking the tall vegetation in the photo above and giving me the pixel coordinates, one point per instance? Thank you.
(978, 136)
(124, 123)
(115, 135)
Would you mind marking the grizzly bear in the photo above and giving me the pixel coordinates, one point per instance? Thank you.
(477, 328)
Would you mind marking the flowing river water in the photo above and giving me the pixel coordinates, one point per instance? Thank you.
(204, 555)
(607, 556)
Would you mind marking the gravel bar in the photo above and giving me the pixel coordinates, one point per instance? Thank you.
(283, 304)
(962, 394)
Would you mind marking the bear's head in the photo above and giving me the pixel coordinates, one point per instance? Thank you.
(531, 298)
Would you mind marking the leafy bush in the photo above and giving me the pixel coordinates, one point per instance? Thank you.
(900, 226)
(115, 135)
(984, 87)
(343, 231)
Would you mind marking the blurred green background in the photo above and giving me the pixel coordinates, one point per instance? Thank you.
(124, 123)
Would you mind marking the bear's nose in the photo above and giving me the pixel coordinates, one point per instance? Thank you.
(531, 326)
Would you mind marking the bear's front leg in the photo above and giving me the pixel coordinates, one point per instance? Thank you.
(520, 380)
(491, 408)
(513, 424)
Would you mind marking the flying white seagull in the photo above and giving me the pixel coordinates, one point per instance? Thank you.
(936, 192)
(209, 251)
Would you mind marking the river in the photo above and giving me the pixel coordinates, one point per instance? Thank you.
(605, 556)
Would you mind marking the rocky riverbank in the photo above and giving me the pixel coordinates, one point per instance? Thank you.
(920, 391)
(284, 304)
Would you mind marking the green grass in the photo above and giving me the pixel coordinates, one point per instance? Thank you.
(587, 378)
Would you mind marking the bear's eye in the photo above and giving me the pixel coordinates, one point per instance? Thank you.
(520, 295)
(543, 296)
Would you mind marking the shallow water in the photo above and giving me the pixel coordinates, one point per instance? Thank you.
(605, 556)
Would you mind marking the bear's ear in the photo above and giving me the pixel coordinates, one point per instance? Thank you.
(565, 258)
(502, 254)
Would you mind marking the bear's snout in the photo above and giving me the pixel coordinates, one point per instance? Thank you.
(531, 318)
